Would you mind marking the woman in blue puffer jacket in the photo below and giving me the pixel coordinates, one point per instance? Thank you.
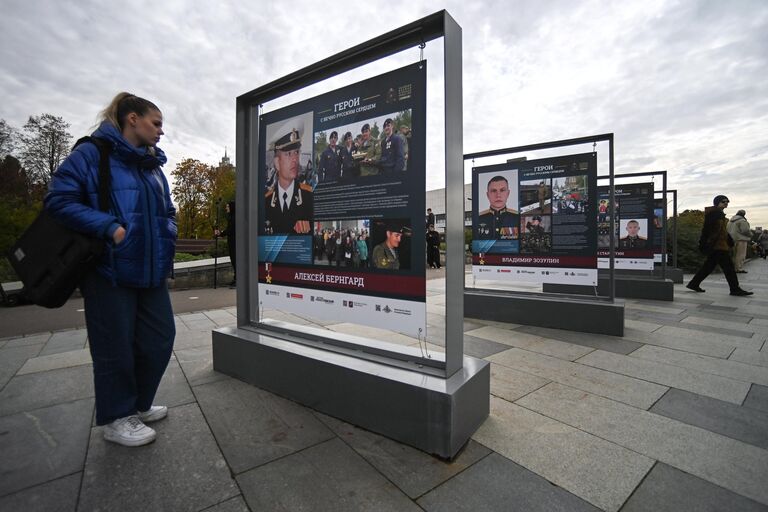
(127, 307)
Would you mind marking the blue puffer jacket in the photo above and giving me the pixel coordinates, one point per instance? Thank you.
(141, 203)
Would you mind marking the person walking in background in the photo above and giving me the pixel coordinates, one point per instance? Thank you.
(230, 233)
(738, 229)
(716, 243)
(433, 247)
(763, 242)
(127, 307)
(430, 218)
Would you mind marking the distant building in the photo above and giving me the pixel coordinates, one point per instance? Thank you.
(436, 201)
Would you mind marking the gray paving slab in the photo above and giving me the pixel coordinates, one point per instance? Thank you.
(236, 504)
(684, 343)
(13, 358)
(742, 423)
(712, 365)
(737, 466)
(667, 489)
(728, 317)
(56, 361)
(629, 390)
(221, 317)
(511, 384)
(412, 471)
(667, 309)
(725, 329)
(480, 348)
(44, 444)
(532, 342)
(757, 398)
(327, 477)
(197, 365)
(253, 426)
(601, 341)
(58, 495)
(182, 470)
(745, 328)
(497, 483)
(755, 320)
(753, 357)
(596, 470)
(35, 390)
(717, 337)
(670, 375)
(192, 339)
(641, 325)
(64, 341)
(34, 339)
(174, 389)
(718, 308)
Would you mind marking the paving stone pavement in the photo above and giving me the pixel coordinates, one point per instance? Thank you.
(671, 417)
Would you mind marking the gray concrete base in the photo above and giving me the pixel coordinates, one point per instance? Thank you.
(627, 287)
(430, 413)
(675, 274)
(572, 313)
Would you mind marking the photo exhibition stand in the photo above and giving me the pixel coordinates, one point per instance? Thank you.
(600, 313)
(632, 284)
(434, 405)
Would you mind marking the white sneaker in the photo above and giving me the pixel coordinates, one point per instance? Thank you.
(129, 431)
(156, 412)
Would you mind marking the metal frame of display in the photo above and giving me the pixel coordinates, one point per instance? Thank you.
(672, 272)
(434, 406)
(601, 314)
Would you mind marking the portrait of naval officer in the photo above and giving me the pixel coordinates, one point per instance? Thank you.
(498, 221)
(288, 202)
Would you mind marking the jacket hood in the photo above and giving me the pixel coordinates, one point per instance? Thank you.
(127, 152)
(736, 218)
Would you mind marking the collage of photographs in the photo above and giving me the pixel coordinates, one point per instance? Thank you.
(525, 210)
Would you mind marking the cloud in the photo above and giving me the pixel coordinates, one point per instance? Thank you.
(682, 85)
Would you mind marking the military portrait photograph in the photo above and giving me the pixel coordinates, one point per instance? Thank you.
(536, 196)
(633, 234)
(391, 244)
(371, 147)
(536, 236)
(570, 195)
(498, 216)
(290, 177)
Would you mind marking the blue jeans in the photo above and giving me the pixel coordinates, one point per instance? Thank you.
(130, 334)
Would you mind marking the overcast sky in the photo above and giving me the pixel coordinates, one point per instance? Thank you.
(682, 85)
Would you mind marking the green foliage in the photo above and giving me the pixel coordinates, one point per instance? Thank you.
(182, 257)
(689, 225)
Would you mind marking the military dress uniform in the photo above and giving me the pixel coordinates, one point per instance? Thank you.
(384, 257)
(330, 164)
(633, 242)
(392, 154)
(497, 224)
(299, 208)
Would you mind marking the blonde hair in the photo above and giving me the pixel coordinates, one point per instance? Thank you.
(122, 105)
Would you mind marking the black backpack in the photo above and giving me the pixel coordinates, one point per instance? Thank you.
(51, 259)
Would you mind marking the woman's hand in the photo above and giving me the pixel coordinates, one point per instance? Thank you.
(119, 235)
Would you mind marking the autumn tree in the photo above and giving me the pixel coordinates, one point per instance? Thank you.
(7, 138)
(192, 194)
(44, 143)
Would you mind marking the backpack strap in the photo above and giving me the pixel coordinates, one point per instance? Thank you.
(105, 175)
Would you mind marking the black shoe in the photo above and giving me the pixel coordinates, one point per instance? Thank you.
(741, 293)
(694, 288)
(741, 271)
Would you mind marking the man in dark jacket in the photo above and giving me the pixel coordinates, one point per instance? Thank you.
(231, 240)
(716, 243)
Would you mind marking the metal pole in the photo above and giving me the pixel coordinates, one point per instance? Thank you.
(674, 229)
(216, 246)
(612, 201)
(664, 228)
